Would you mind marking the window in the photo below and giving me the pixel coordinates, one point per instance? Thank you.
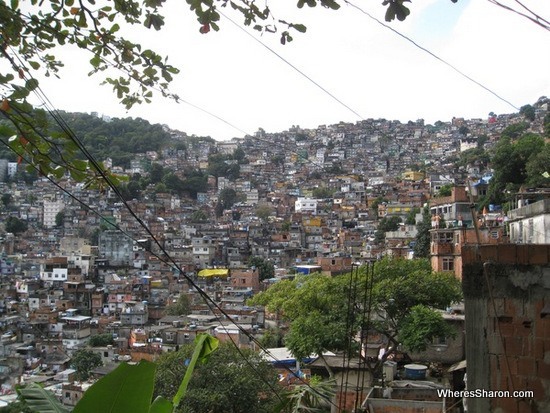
(448, 264)
(105, 354)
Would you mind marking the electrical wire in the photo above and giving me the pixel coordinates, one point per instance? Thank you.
(418, 46)
(331, 95)
(208, 300)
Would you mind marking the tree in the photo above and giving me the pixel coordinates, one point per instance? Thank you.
(528, 111)
(227, 197)
(84, 361)
(15, 225)
(384, 225)
(32, 31)
(510, 161)
(101, 340)
(59, 219)
(445, 190)
(315, 306)
(230, 381)
(199, 216)
(538, 168)
(182, 306)
(263, 212)
(411, 216)
(423, 240)
(265, 267)
(323, 192)
(6, 199)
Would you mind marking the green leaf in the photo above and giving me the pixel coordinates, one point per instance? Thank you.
(80, 164)
(41, 400)
(58, 172)
(128, 388)
(161, 405)
(14, 4)
(205, 344)
(300, 27)
(31, 84)
(95, 61)
(34, 65)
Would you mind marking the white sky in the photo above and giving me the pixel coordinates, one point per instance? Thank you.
(369, 68)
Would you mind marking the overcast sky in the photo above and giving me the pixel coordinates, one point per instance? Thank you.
(366, 66)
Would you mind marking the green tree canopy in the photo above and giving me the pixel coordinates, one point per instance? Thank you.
(84, 361)
(182, 306)
(101, 340)
(319, 319)
(422, 241)
(230, 381)
(15, 225)
(265, 267)
(510, 160)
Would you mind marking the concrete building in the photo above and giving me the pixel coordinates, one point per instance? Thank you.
(50, 210)
(307, 205)
(115, 247)
(529, 223)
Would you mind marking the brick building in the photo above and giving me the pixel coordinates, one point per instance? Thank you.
(507, 304)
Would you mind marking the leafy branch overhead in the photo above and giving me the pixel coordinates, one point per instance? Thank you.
(32, 32)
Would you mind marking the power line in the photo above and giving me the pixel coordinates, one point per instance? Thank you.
(331, 95)
(415, 44)
(208, 300)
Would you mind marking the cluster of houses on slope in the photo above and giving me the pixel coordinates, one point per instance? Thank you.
(73, 275)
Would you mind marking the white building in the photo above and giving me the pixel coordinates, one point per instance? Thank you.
(308, 205)
(12, 169)
(51, 209)
(528, 224)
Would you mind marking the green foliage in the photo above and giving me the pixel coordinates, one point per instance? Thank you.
(386, 224)
(128, 388)
(528, 111)
(445, 190)
(271, 338)
(84, 361)
(223, 166)
(421, 326)
(59, 219)
(101, 340)
(37, 399)
(538, 168)
(34, 31)
(227, 197)
(411, 216)
(15, 225)
(18, 406)
(474, 156)
(319, 319)
(463, 130)
(323, 192)
(510, 162)
(199, 216)
(263, 212)
(182, 306)
(265, 267)
(315, 396)
(224, 383)
(423, 239)
(374, 204)
(6, 199)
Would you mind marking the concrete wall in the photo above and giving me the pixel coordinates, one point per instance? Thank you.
(507, 304)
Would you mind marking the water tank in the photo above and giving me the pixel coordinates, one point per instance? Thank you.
(415, 371)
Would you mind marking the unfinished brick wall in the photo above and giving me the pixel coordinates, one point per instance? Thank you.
(507, 303)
